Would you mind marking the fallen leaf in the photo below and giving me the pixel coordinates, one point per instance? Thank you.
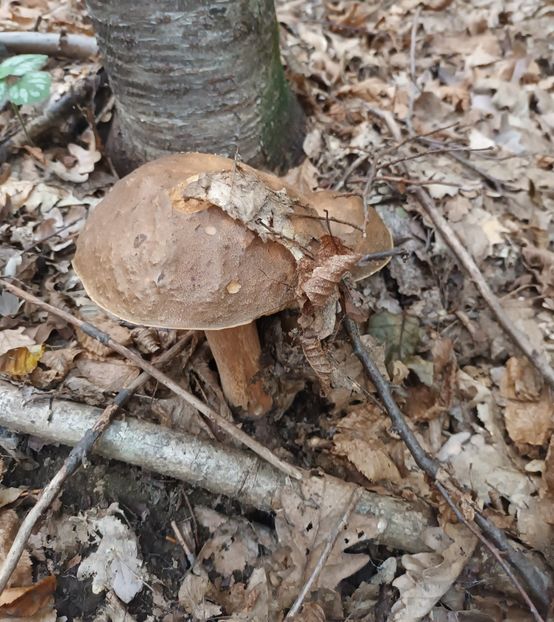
(430, 575)
(115, 565)
(25, 602)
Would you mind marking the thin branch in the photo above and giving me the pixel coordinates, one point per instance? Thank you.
(413, 75)
(331, 539)
(50, 43)
(329, 219)
(538, 359)
(75, 458)
(210, 414)
(394, 252)
(415, 182)
(431, 466)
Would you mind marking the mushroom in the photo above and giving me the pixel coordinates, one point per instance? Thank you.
(154, 258)
(146, 259)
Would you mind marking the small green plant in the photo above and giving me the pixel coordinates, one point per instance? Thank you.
(21, 82)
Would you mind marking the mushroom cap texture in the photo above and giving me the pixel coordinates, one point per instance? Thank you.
(148, 262)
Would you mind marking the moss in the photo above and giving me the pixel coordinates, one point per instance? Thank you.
(282, 118)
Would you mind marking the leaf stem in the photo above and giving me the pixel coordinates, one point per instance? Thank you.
(22, 123)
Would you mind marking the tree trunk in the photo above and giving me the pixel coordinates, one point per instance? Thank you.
(192, 75)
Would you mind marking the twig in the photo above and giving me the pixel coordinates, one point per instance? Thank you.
(394, 252)
(331, 539)
(415, 182)
(496, 183)
(330, 219)
(53, 44)
(430, 466)
(222, 470)
(538, 359)
(21, 122)
(422, 154)
(210, 414)
(413, 76)
(181, 540)
(73, 461)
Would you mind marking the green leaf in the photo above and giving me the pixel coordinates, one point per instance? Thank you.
(30, 89)
(399, 332)
(22, 64)
(3, 92)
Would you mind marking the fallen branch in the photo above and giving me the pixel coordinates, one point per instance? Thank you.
(79, 47)
(210, 414)
(538, 359)
(55, 113)
(432, 469)
(222, 470)
(73, 461)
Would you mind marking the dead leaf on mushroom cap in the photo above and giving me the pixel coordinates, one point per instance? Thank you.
(349, 208)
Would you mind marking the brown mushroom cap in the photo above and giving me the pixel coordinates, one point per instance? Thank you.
(145, 260)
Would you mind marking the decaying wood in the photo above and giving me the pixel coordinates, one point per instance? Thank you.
(219, 469)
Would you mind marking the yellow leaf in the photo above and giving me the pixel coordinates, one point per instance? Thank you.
(21, 361)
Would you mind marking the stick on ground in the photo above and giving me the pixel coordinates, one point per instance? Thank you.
(431, 468)
(73, 461)
(210, 414)
(222, 470)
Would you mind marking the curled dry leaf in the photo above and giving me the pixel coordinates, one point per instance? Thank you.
(245, 196)
(19, 353)
(358, 441)
(430, 575)
(318, 294)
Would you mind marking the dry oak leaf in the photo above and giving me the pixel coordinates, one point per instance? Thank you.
(430, 575)
(529, 410)
(28, 602)
(357, 440)
(303, 521)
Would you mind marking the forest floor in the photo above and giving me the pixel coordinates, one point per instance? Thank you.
(446, 100)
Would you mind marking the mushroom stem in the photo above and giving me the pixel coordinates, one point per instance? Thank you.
(237, 354)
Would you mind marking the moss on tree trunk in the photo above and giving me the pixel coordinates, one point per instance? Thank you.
(190, 75)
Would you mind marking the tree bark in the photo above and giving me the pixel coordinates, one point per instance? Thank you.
(197, 76)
